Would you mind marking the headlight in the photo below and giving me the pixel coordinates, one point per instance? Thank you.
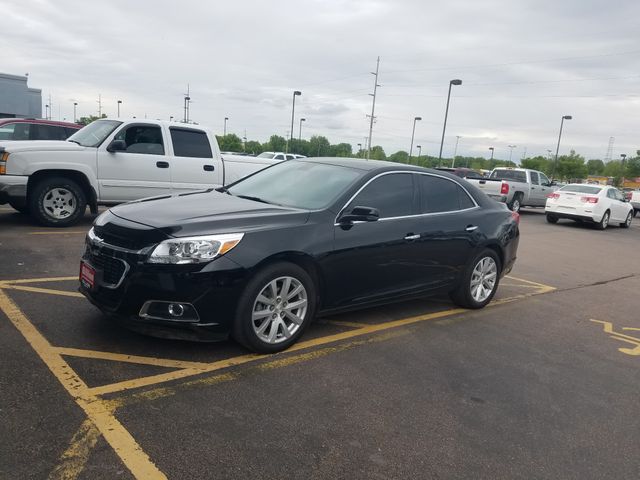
(194, 249)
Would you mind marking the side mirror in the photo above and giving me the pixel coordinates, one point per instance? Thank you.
(361, 214)
(117, 146)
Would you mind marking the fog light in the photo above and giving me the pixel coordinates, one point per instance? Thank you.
(169, 311)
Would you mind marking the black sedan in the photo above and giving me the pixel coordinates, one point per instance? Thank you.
(258, 260)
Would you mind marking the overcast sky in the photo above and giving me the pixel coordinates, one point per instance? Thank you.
(523, 63)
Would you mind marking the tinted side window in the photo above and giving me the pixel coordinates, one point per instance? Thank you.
(279, 157)
(442, 195)
(69, 131)
(544, 180)
(534, 178)
(391, 194)
(47, 132)
(190, 143)
(15, 131)
(144, 139)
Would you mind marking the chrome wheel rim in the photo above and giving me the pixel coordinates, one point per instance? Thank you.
(605, 220)
(59, 203)
(516, 205)
(629, 217)
(279, 310)
(483, 279)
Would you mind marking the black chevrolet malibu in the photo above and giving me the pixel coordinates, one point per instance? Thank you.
(259, 259)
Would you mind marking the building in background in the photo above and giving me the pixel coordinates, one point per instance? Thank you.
(17, 99)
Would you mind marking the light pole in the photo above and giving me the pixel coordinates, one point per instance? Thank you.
(555, 163)
(296, 93)
(624, 156)
(119, 103)
(187, 99)
(413, 132)
(75, 104)
(46, 111)
(359, 149)
(455, 151)
(492, 149)
(300, 130)
(224, 132)
(419, 147)
(446, 114)
(171, 118)
(511, 147)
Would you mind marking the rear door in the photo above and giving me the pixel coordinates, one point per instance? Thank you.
(195, 164)
(140, 171)
(619, 208)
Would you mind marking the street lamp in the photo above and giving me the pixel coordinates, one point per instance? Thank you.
(75, 104)
(187, 99)
(455, 151)
(413, 132)
(224, 132)
(419, 147)
(46, 111)
(555, 163)
(296, 93)
(119, 103)
(492, 149)
(511, 151)
(624, 156)
(300, 130)
(446, 113)
(171, 118)
(359, 149)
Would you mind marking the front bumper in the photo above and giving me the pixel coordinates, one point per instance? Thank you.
(121, 292)
(13, 188)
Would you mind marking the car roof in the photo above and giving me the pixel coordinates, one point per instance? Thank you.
(55, 123)
(362, 164)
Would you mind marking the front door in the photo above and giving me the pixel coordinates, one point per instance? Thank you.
(142, 170)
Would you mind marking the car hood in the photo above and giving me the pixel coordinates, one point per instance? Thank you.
(40, 145)
(208, 212)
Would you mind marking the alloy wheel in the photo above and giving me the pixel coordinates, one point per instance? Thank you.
(483, 279)
(59, 203)
(279, 310)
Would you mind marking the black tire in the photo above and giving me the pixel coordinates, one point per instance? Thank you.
(635, 212)
(70, 208)
(462, 295)
(604, 222)
(627, 222)
(516, 203)
(244, 331)
(552, 218)
(24, 208)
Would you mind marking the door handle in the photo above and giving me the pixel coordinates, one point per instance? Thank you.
(411, 236)
(471, 228)
(209, 168)
(162, 164)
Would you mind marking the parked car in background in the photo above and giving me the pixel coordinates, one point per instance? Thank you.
(462, 172)
(14, 129)
(114, 161)
(517, 187)
(598, 204)
(260, 258)
(280, 156)
(634, 198)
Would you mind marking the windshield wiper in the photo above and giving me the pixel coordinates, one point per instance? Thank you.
(255, 199)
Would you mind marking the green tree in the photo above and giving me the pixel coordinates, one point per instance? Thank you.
(400, 157)
(91, 118)
(595, 167)
(341, 150)
(539, 162)
(275, 144)
(253, 147)
(319, 146)
(230, 143)
(571, 167)
(377, 153)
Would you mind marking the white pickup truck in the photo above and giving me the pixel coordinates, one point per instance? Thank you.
(517, 187)
(114, 161)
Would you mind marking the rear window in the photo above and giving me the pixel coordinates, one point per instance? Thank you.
(515, 175)
(581, 189)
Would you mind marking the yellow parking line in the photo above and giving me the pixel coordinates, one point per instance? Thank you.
(48, 291)
(528, 281)
(40, 280)
(119, 357)
(99, 411)
(74, 459)
(346, 324)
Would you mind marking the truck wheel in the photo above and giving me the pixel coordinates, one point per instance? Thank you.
(515, 203)
(275, 308)
(20, 208)
(57, 202)
(479, 282)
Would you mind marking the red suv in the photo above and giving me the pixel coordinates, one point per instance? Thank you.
(32, 129)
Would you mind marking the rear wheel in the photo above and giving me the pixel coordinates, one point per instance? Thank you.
(627, 222)
(552, 218)
(479, 282)
(275, 308)
(604, 222)
(57, 202)
(516, 203)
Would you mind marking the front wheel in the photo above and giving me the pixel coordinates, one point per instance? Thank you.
(275, 308)
(552, 218)
(479, 282)
(604, 222)
(57, 202)
(627, 222)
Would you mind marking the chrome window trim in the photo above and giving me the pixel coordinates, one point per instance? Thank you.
(336, 223)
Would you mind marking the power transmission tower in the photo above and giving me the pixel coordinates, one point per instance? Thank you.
(607, 157)
(373, 106)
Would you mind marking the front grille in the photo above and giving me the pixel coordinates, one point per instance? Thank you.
(113, 269)
(122, 239)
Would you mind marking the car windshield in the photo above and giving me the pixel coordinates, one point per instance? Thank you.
(298, 184)
(581, 189)
(94, 134)
(265, 155)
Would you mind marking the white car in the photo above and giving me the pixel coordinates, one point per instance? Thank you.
(280, 156)
(599, 204)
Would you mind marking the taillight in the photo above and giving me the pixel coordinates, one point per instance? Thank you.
(4, 156)
(628, 195)
(555, 196)
(504, 190)
(516, 217)
(589, 199)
